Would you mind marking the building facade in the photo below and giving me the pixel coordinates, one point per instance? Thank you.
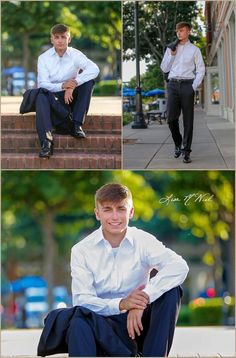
(220, 71)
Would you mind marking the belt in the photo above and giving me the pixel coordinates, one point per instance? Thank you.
(181, 80)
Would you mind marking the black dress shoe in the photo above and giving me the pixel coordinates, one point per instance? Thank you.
(46, 149)
(77, 131)
(177, 152)
(187, 158)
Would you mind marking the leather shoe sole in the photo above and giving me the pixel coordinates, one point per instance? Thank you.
(78, 134)
(187, 159)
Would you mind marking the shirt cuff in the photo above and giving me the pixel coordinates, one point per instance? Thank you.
(114, 306)
(152, 295)
(58, 87)
(194, 87)
(78, 80)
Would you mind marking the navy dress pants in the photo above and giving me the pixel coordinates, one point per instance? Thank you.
(47, 119)
(181, 97)
(85, 336)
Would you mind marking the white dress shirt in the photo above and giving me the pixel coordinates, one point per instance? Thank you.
(101, 279)
(186, 64)
(53, 70)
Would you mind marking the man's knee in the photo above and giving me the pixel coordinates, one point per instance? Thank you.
(174, 294)
(86, 86)
(171, 297)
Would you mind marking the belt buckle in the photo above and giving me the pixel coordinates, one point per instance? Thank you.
(178, 80)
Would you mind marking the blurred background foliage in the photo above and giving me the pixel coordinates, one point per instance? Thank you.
(45, 213)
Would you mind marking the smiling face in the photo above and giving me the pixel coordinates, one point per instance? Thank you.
(114, 217)
(60, 41)
(183, 33)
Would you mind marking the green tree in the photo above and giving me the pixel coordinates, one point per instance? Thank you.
(152, 78)
(157, 20)
(22, 20)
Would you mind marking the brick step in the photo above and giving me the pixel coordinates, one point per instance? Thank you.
(22, 143)
(61, 161)
(93, 123)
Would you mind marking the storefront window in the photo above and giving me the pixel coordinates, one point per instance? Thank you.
(215, 92)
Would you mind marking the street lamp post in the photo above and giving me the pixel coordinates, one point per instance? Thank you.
(139, 121)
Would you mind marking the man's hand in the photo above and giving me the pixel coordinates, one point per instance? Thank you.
(134, 322)
(136, 299)
(68, 96)
(72, 83)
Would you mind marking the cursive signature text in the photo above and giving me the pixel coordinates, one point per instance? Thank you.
(187, 199)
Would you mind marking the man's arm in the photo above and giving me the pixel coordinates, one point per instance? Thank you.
(168, 60)
(172, 271)
(200, 69)
(44, 78)
(172, 268)
(89, 69)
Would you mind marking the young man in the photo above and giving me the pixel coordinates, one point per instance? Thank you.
(186, 71)
(69, 74)
(120, 310)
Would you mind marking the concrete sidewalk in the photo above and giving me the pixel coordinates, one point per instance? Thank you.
(152, 148)
(98, 105)
(188, 342)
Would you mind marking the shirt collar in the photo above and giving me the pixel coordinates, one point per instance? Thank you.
(186, 43)
(53, 51)
(128, 237)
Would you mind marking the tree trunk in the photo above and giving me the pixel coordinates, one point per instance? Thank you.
(26, 57)
(49, 252)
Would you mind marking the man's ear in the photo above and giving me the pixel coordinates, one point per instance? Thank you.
(69, 41)
(131, 213)
(97, 214)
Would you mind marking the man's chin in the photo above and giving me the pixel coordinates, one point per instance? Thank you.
(118, 229)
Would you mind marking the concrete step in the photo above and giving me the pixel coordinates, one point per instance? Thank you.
(61, 161)
(93, 143)
(93, 123)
